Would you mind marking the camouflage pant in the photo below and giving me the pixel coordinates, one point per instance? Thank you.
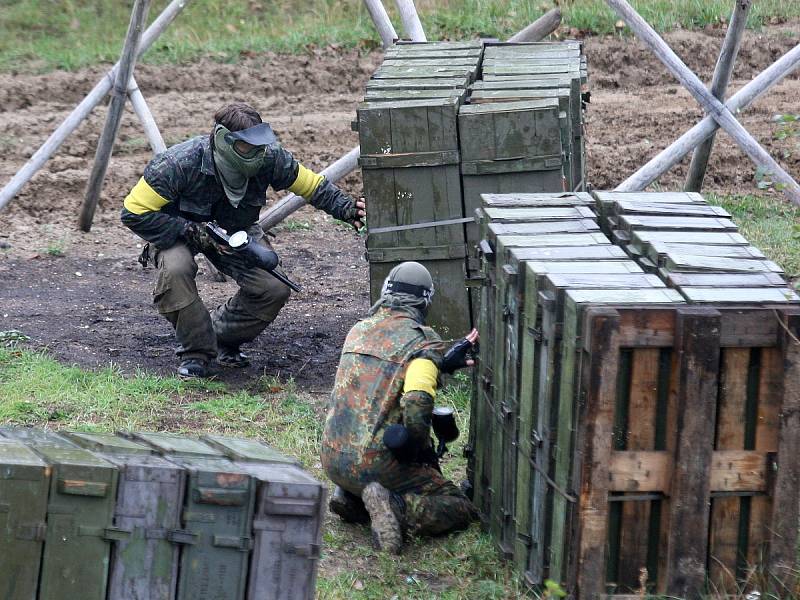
(434, 505)
(239, 320)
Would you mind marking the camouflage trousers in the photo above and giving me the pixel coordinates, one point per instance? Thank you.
(433, 505)
(254, 306)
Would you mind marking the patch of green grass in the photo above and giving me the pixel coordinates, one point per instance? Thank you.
(42, 35)
(769, 223)
(37, 390)
(595, 16)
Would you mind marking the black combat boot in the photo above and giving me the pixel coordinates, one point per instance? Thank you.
(194, 368)
(232, 357)
(348, 506)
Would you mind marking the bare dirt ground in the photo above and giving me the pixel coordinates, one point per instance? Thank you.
(92, 305)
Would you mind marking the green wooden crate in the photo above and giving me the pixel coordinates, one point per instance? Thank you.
(510, 146)
(426, 72)
(24, 486)
(415, 83)
(409, 160)
(384, 95)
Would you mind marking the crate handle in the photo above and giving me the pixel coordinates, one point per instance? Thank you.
(31, 532)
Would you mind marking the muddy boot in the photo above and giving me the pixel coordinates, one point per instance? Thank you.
(193, 368)
(232, 357)
(348, 506)
(387, 533)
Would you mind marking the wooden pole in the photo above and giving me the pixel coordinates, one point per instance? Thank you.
(719, 84)
(710, 104)
(411, 22)
(540, 28)
(83, 109)
(382, 22)
(289, 204)
(146, 117)
(105, 145)
(672, 155)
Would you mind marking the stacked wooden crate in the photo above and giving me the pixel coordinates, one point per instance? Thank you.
(427, 156)
(408, 133)
(96, 516)
(522, 127)
(612, 412)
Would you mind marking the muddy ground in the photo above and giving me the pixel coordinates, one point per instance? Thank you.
(85, 298)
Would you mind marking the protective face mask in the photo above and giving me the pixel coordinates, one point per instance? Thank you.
(233, 168)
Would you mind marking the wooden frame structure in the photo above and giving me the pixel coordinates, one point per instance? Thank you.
(721, 115)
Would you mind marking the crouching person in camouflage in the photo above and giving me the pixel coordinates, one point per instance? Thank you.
(388, 375)
(221, 177)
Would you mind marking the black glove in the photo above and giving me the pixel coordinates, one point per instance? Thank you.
(457, 355)
(195, 236)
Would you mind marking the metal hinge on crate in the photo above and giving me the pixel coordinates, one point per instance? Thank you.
(536, 332)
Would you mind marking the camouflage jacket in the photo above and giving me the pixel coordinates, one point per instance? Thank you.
(368, 392)
(185, 177)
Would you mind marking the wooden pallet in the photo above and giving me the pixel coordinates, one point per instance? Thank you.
(689, 425)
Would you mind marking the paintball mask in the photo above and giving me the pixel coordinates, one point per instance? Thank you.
(233, 163)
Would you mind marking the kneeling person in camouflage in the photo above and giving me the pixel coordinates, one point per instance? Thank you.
(221, 177)
(388, 375)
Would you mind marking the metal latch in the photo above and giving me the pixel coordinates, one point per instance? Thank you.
(182, 536)
(115, 534)
(310, 551)
(243, 544)
(536, 333)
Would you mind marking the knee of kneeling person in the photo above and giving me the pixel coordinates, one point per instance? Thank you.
(178, 262)
(267, 288)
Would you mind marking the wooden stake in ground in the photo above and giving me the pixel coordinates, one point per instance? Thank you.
(146, 117)
(540, 28)
(380, 19)
(710, 104)
(719, 84)
(83, 109)
(118, 96)
(672, 154)
(411, 22)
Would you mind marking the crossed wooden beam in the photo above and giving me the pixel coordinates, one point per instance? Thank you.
(719, 114)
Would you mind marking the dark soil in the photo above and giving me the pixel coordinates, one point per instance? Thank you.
(105, 315)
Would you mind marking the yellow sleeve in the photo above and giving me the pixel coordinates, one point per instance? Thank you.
(421, 376)
(306, 183)
(142, 199)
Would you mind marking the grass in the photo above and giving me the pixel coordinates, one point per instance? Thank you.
(41, 35)
(37, 390)
(769, 223)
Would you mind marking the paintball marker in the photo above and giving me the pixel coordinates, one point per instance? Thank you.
(253, 253)
(397, 439)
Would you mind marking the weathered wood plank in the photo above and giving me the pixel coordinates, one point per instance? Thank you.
(685, 209)
(645, 222)
(726, 512)
(641, 435)
(740, 295)
(600, 399)
(533, 200)
(697, 264)
(783, 559)
(690, 237)
(652, 471)
(697, 341)
(656, 250)
(726, 280)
